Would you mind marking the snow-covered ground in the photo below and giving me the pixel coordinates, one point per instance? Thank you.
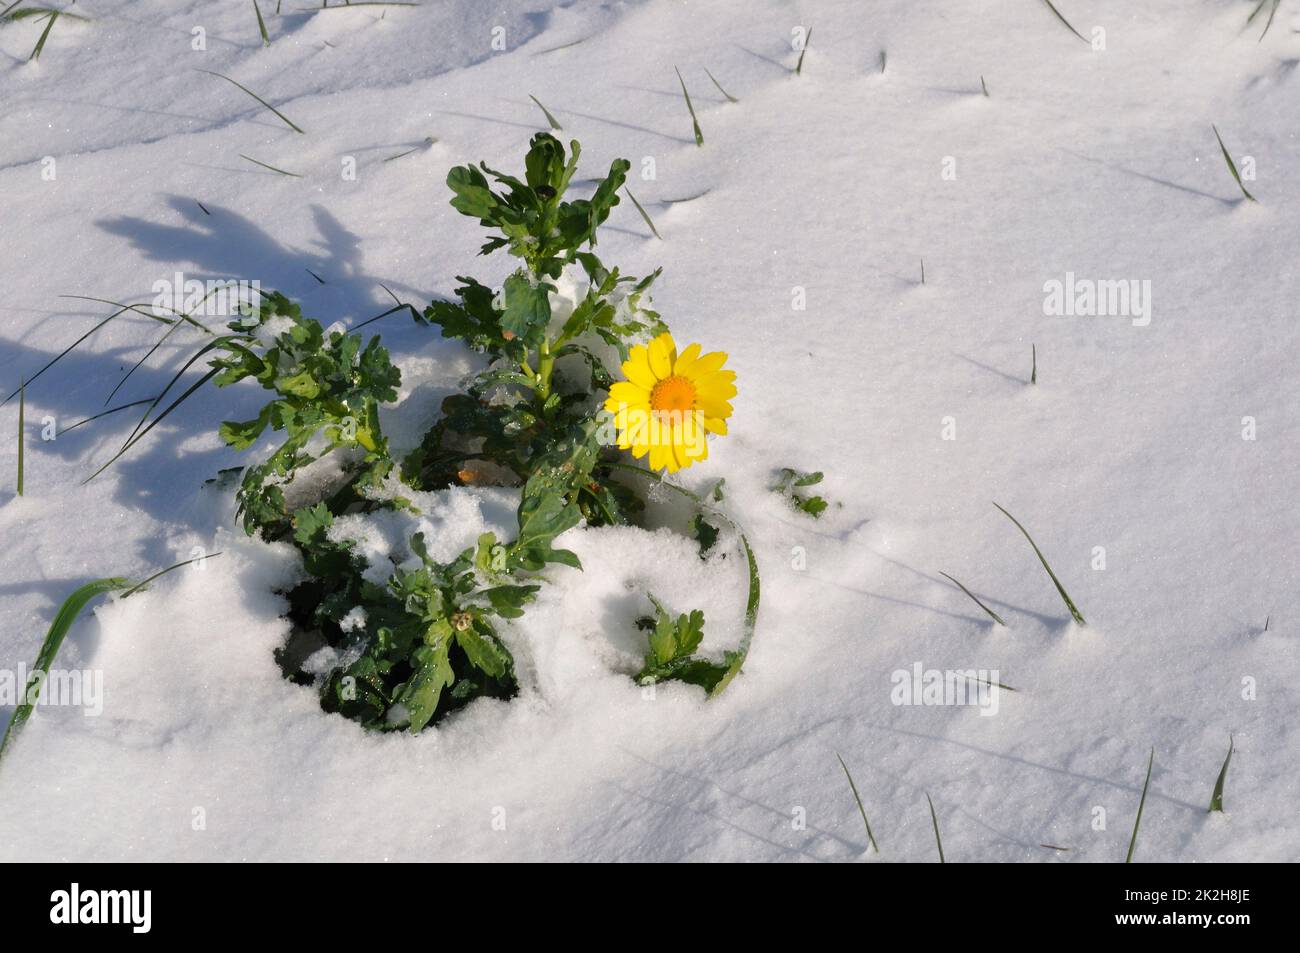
(827, 189)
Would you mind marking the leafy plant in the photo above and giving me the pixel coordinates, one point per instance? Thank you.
(413, 641)
(791, 481)
(673, 644)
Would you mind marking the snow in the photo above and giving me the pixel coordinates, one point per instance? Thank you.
(828, 186)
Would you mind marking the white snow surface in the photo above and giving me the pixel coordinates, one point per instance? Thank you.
(1101, 163)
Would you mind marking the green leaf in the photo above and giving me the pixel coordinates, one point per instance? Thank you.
(485, 651)
(528, 308)
(422, 692)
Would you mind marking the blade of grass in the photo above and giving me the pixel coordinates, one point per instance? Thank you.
(1065, 596)
(1216, 799)
(429, 140)
(141, 586)
(934, 819)
(730, 98)
(261, 24)
(555, 123)
(1064, 20)
(1142, 803)
(71, 346)
(996, 618)
(699, 136)
(40, 44)
(984, 86)
(22, 427)
(922, 271)
(63, 620)
(798, 67)
(155, 422)
(149, 353)
(105, 413)
(883, 61)
(285, 119)
(148, 312)
(644, 216)
(1232, 166)
(1033, 356)
(862, 810)
(271, 167)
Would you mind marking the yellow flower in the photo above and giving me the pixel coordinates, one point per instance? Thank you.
(669, 401)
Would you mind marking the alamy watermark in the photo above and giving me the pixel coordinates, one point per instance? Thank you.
(58, 688)
(1105, 297)
(212, 297)
(976, 688)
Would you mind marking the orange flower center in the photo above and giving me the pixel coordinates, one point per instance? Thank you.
(673, 393)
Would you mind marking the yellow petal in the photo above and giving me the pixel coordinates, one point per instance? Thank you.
(711, 407)
(705, 365)
(686, 359)
(637, 367)
(662, 355)
(629, 393)
(714, 425)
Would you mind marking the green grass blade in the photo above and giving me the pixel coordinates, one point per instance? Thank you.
(22, 427)
(798, 67)
(862, 810)
(141, 586)
(1232, 166)
(271, 167)
(37, 12)
(105, 413)
(40, 44)
(1033, 357)
(1271, 14)
(285, 119)
(1216, 799)
(644, 216)
(63, 620)
(555, 123)
(1065, 21)
(996, 618)
(67, 350)
(984, 86)
(1142, 803)
(1069, 603)
(699, 136)
(730, 98)
(155, 422)
(934, 819)
(261, 24)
